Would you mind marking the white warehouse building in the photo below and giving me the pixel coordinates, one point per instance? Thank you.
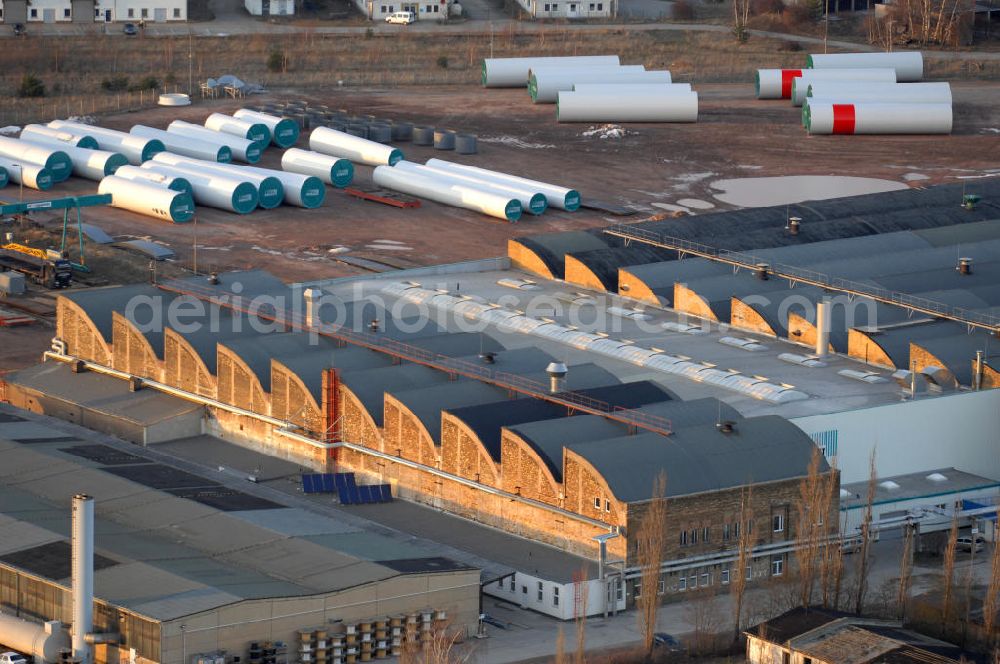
(428, 10)
(89, 11)
(568, 8)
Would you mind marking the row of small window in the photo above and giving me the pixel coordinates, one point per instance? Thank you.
(729, 531)
(428, 9)
(554, 7)
(597, 504)
(68, 13)
(540, 590)
(704, 579)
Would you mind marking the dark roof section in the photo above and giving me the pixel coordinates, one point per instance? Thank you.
(100, 303)
(423, 565)
(794, 623)
(486, 420)
(309, 367)
(52, 560)
(370, 385)
(701, 458)
(548, 438)
(257, 351)
(604, 263)
(551, 248)
(895, 341)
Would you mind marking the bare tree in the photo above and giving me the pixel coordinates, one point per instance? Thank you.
(866, 533)
(650, 543)
(812, 494)
(905, 571)
(949, 571)
(441, 648)
(741, 17)
(703, 617)
(560, 657)
(831, 556)
(738, 576)
(991, 603)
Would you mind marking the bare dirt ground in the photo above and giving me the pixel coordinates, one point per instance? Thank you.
(654, 165)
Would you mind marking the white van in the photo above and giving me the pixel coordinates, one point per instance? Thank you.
(404, 18)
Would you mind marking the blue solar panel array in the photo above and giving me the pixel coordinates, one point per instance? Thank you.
(347, 489)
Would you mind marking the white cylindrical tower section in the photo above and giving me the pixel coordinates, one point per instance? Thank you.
(284, 131)
(252, 131)
(800, 84)
(359, 150)
(185, 145)
(335, 171)
(34, 132)
(30, 175)
(448, 193)
(531, 200)
(558, 197)
(627, 106)
(148, 198)
(853, 91)
(865, 118)
(135, 148)
(83, 576)
(242, 149)
(909, 65)
(513, 72)
(545, 83)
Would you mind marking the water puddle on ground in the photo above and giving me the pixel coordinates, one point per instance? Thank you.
(761, 192)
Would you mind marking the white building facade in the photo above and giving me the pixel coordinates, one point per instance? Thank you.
(270, 7)
(428, 10)
(90, 11)
(568, 8)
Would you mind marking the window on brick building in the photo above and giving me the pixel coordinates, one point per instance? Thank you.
(749, 572)
(597, 503)
(693, 536)
(684, 538)
(637, 589)
(724, 576)
(725, 532)
(693, 581)
(662, 586)
(749, 526)
(704, 534)
(706, 580)
(682, 583)
(778, 523)
(777, 565)
(607, 505)
(736, 530)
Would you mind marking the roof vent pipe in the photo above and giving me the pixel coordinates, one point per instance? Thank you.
(726, 426)
(213, 278)
(761, 270)
(793, 225)
(964, 265)
(557, 377)
(83, 576)
(823, 327)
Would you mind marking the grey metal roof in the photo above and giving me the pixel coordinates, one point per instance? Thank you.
(970, 233)
(661, 277)
(915, 485)
(552, 248)
(154, 250)
(895, 341)
(370, 385)
(487, 419)
(701, 458)
(258, 351)
(958, 351)
(100, 303)
(57, 380)
(309, 367)
(604, 263)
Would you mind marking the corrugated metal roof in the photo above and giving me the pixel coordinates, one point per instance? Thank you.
(701, 458)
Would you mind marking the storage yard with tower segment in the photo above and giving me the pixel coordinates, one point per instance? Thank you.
(508, 320)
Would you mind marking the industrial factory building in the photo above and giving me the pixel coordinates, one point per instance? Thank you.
(184, 566)
(99, 11)
(543, 398)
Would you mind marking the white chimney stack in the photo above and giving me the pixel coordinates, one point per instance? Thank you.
(311, 296)
(83, 576)
(823, 327)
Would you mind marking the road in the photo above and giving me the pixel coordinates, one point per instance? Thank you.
(231, 20)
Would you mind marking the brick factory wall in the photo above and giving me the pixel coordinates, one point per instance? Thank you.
(525, 259)
(578, 273)
(747, 318)
(183, 368)
(862, 346)
(462, 454)
(132, 352)
(991, 377)
(924, 358)
(688, 302)
(632, 286)
(525, 473)
(292, 401)
(74, 326)
(403, 431)
(802, 331)
(238, 385)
